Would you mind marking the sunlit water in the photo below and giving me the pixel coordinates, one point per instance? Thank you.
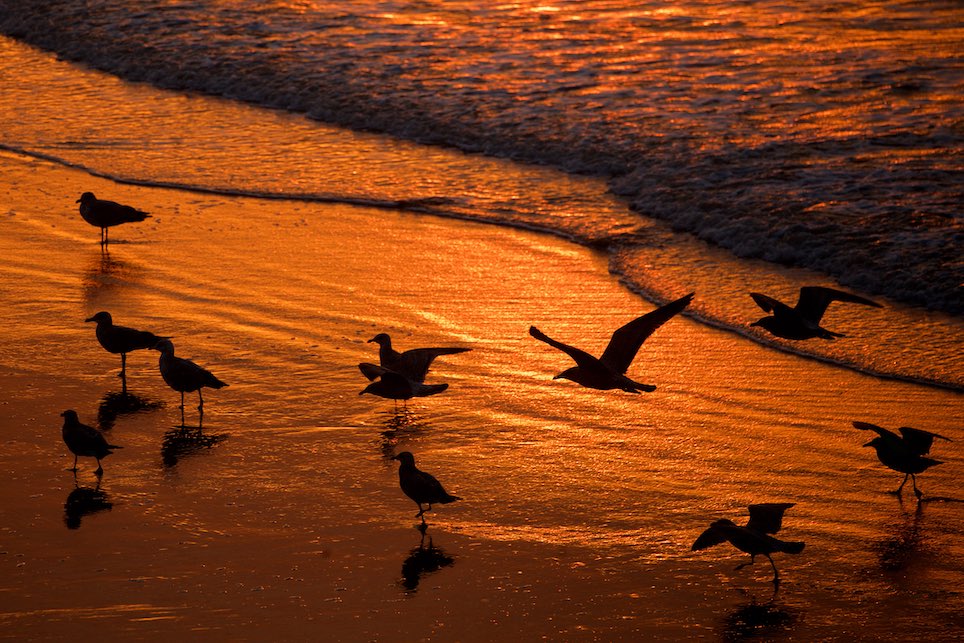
(578, 506)
(137, 134)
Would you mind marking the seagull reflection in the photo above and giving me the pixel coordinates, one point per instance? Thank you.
(84, 501)
(181, 442)
(422, 560)
(902, 547)
(399, 425)
(758, 620)
(115, 404)
(102, 275)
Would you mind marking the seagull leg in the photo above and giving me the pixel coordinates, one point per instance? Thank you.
(123, 373)
(100, 469)
(182, 409)
(776, 574)
(75, 465)
(741, 566)
(200, 402)
(917, 492)
(906, 475)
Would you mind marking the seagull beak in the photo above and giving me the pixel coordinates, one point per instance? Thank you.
(371, 341)
(77, 201)
(89, 319)
(556, 377)
(869, 444)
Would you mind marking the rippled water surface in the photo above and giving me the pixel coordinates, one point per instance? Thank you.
(826, 136)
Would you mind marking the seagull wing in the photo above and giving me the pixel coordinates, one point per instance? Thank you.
(879, 430)
(625, 342)
(416, 362)
(771, 305)
(581, 357)
(815, 299)
(131, 337)
(918, 441)
(709, 538)
(372, 371)
(767, 518)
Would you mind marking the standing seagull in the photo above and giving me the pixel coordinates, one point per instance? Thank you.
(414, 363)
(803, 320)
(608, 372)
(905, 452)
(83, 440)
(753, 539)
(420, 486)
(121, 339)
(184, 376)
(105, 214)
(395, 386)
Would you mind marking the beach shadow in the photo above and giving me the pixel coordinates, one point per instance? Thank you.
(399, 426)
(422, 560)
(903, 546)
(115, 404)
(84, 501)
(181, 442)
(767, 620)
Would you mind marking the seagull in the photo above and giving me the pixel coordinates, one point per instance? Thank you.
(803, 320)
(765, 519)
(608, 372)
(83, 440)
(105, 214)
(414, 363)
(183, 375)
(905, 452)
(121, 339)
(420, 486)
(395, 386)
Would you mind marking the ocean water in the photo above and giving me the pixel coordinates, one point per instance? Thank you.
(846, 166)
(283, 516)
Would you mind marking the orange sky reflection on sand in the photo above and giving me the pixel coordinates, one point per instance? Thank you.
(578, 506)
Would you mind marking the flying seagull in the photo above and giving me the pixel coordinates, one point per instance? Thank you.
(121, 339)
(803, 320)
(753, 539)
(183, 375)
(608, 371)
(83, 440)
(414, 363)
(421, 487)
(395, 386)
(105, 214)
(905, 452)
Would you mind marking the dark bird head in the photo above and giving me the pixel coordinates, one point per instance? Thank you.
(877, 443)
(382, 339)
(764, 322)
(103, 317)
(568, 374)
(165, 346)
(406, 458)
(70, 416)
(86, 197)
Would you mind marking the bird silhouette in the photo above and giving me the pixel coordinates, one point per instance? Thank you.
(420, 486)
(905, 452)
(121, 339)
(105, 214)
(803, 320)
(414, 363)
(608, 371)
(754, 538)
(83, 440)
(395, 386)
(184, 376)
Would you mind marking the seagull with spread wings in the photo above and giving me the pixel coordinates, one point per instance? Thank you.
(803, 320)
(609, 371)
(754, 538)
(413, 363)
(903, 453)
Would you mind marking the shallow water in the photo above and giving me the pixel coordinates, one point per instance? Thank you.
(283, 519)
(137, 133)
(826, 135)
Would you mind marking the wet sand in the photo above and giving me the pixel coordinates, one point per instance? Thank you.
(284, 520)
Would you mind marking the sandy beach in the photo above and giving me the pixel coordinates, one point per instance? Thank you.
(285, 520)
